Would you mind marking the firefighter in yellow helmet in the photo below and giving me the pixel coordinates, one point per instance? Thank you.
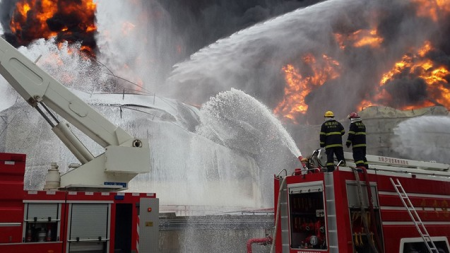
(331, 133)
(357, 139)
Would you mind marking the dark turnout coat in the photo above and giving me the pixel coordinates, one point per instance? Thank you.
(331, 134)
(357, 134)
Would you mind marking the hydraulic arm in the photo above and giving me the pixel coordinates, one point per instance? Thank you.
(124, 156)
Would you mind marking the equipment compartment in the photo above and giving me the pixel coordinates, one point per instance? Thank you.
(307, 217)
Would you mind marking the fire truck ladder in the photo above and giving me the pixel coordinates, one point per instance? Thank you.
(331, 213)
(414, 216)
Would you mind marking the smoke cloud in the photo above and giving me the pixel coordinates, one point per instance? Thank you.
(68, 21)
(192, 50)
(141, 40)
(252, 59)
(149, 37)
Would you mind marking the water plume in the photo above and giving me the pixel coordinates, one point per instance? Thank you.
(237, 120)
(425, 138)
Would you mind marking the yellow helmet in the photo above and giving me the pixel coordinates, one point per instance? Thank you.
(329, 114)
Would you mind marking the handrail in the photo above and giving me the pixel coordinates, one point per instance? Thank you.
(277, 215)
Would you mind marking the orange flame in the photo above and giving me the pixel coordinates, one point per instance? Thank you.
(30, 20)
(416, 65)
(360, 38)
(298, 86)
(432, 8)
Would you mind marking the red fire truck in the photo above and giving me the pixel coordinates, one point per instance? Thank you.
(81, 210)
(72, 221)
(396, 206)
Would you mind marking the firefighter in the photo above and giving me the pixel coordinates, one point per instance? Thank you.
(331, 133)
(357, 139)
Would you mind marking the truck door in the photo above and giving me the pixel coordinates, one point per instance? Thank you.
(88, 228)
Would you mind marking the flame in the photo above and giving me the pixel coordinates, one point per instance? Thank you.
(431, 8)
(33, 19)
(360, 38)
(299, 86)
(23, 9)
(416, 65)
(366, 103)
(418, 106)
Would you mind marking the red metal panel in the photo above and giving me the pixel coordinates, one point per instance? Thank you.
(345, 239)
(10, 190)
(415, 185)
(11, 234)
(90, 196)
(45, 247)
(438, 230)
(11, 211)
(13, 157)
(44, 196)
(390, 200)
(12, 170)
(425, 216)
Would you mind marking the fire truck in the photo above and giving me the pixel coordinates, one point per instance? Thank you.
(395, 206)
(85, 209)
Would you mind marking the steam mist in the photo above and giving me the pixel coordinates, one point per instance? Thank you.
(166, 32)
(142, 40)
(425, 138)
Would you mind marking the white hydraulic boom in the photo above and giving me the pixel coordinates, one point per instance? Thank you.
(124, 156)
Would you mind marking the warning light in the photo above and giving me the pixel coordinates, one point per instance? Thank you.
(149, 209)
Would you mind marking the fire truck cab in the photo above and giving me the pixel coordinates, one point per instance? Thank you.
(397, 205)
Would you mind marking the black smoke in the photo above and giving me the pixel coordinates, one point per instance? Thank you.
(179, 28)
(202, 22)
(70, 23)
